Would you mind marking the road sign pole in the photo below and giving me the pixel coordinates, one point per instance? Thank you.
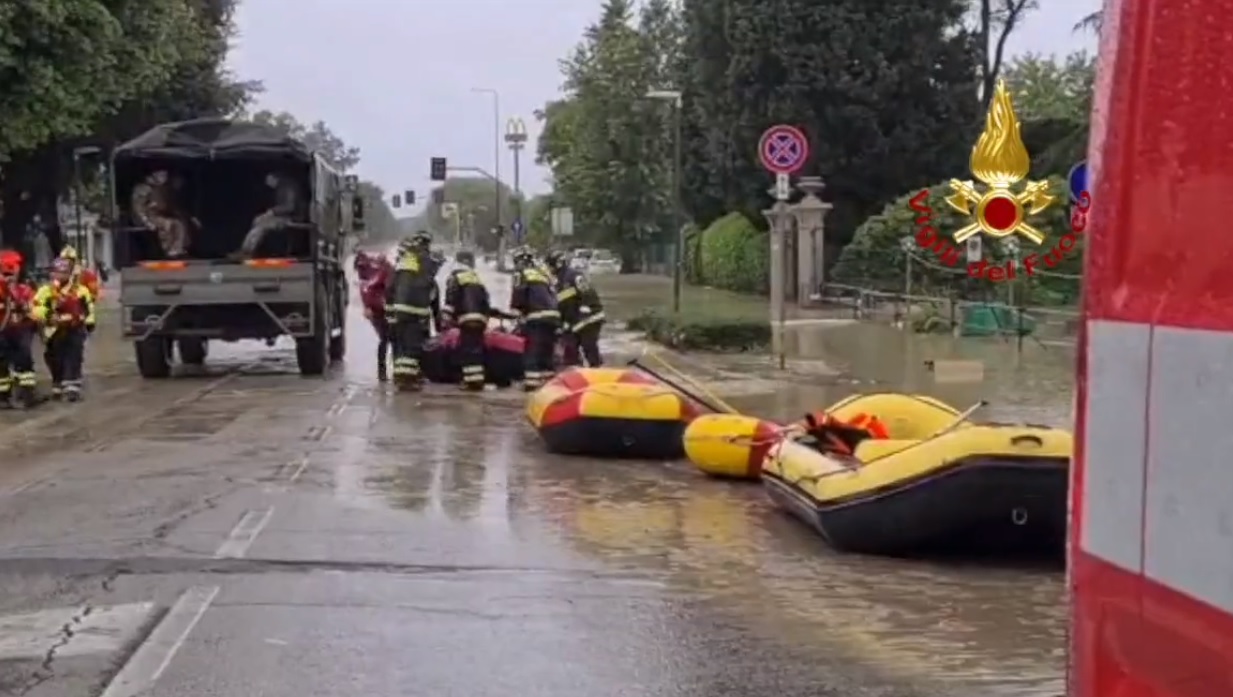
(783, 150)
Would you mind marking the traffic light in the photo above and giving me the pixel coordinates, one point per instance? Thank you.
(409, 197)
(438, 169)
(397, 202)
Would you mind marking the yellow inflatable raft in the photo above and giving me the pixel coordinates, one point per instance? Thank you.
(606, 412)
(939, 482)
(730, 445)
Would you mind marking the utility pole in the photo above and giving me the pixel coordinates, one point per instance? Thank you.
(678, 254)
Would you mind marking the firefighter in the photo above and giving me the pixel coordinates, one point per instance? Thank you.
(535, 304)
(408, 308)
(374, 273)
(582, 313)
(436, 262)
(17, 377)
(65, 309)
(467, 306)
(86, 275)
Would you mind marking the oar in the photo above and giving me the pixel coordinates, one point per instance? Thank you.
(637, 364)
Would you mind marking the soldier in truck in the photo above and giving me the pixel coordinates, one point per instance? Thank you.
(285, 208)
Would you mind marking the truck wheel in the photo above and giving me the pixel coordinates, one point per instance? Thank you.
(153, 357)
(338, 344)
(312, 352)
(192, 351)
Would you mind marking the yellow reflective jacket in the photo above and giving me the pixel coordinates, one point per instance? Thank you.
(63, 305)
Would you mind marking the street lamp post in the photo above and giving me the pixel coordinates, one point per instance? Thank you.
(496, 147)
(678, 255)
(516, 139)
(84, 245)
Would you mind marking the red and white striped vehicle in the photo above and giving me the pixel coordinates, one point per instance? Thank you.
(1152, 497)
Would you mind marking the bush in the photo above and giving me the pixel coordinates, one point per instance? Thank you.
(735, 255)
(692, 255)
(875, 259)
(700, 333)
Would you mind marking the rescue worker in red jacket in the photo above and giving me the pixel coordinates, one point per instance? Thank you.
(65, 309)
(467, 306)
(408, 308)
(84, 274)
(17, 377)
(582, 313)
(374, 273)
(534, 302)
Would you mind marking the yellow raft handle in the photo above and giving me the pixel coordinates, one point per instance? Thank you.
(1033, 441)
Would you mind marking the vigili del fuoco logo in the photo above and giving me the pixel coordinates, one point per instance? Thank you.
(1001, 208)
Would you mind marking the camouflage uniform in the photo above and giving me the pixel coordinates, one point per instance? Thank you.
(286, 200)
(152, 207)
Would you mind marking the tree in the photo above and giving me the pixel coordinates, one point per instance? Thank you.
(93, 72)
(886, 93)
(65, 63)
(380, 221)
(1053, 98)
(474, 199)
(316, 136)
(608, 145)
(996, 21)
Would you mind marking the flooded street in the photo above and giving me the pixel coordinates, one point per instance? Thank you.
(252, 532)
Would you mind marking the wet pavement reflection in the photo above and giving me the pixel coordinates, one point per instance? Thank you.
(397, 544)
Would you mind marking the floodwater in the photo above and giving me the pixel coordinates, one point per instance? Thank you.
(384, 543)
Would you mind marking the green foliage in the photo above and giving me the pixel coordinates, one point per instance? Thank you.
(610, 146)
(876, 258)
(734, 255)
(476, 199)
(380, 223)
(702, 333)
(1053, 97)
(65, 64)
(885, 91)
(317, 136)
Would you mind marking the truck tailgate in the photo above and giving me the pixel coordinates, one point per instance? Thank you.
(216, 284)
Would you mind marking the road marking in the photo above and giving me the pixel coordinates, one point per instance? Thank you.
(22, 488)
(244, 534)
(301, 465)
(72, 631)
(147, 664)
(318, 433)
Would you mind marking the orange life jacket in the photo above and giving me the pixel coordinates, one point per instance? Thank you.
(827, 430)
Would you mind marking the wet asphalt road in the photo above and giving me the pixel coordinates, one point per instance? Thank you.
(251, 532)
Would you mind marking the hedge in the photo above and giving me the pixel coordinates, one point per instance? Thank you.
(734, 255)
(875, 259)
(688, 332)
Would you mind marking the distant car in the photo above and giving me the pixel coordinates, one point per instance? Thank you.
(604, 261)
(580, 259)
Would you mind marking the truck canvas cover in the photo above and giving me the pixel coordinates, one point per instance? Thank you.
(213, 139)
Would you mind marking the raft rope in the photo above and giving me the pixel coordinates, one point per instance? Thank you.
(692, 383)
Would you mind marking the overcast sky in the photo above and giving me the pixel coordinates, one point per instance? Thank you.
(395, 77)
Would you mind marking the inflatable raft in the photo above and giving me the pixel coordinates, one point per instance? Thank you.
(502, 358)
(938, 482)
(732, 446)
(606, 412)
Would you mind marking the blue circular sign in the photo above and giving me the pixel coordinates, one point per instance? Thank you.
(1078, 181)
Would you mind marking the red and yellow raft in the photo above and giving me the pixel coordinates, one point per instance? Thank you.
(609, 412)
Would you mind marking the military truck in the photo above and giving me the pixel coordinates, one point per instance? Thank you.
(218, 180)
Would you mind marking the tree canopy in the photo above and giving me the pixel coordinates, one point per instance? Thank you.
(891, 95)
(97, 72)
(380, 221)
(475, 199)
